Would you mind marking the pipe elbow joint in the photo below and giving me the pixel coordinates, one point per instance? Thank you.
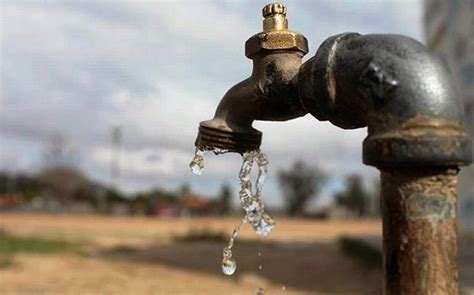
(398, 89)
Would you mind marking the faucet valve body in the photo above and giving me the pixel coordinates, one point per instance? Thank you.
(270, 93)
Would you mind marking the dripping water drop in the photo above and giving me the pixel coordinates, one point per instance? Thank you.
(250, 200)
(197, 163)
(228, 266)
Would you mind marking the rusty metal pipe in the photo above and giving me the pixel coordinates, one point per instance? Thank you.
(419, 230)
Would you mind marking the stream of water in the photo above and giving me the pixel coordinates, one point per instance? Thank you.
(250, 200)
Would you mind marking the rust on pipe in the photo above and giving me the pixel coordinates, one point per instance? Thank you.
(419, 230)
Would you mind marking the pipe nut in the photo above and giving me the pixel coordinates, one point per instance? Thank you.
(276, 40)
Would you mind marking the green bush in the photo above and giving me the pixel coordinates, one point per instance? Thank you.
(6, 261)
(203, 235)
(11, 245)
(212, 236)
(369, 256)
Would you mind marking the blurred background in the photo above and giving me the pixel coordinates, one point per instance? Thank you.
(99, 107)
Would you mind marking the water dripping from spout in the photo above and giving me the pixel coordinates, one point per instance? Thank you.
(197, 163)
(250, 200)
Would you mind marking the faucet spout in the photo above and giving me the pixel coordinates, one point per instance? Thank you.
(269, 94)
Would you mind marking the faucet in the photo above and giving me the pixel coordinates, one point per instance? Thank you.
(403, 94)
(269, 94)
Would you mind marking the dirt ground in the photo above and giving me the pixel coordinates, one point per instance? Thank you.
(140, 256)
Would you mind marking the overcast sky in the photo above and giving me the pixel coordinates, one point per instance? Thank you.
(76, 69)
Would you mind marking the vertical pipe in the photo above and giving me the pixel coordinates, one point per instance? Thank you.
(419, 230)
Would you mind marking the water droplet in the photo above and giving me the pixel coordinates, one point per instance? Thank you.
(262, 163)
(196, 169)
(262, 159)
(260, 291)
(245, 196)
(259, 254)
(260, 267)
(228, 266)
(218, 151)
(254, 206)
(265, 226)
(197, 163)
(283, 288)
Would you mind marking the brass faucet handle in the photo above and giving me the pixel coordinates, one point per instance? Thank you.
(275, 17)
(275, 35)
(273, 8)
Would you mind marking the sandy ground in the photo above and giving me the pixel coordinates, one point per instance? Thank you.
(139, 256)
(112, 230)
(67, 274)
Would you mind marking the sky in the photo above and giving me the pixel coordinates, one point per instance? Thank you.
(76, 69)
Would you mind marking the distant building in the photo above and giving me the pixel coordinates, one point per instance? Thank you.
(450, 33)
(195, 206)
(9, 201)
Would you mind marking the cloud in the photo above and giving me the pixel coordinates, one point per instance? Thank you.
(78, 69)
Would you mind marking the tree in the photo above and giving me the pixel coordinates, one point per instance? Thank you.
(354, 198)
(63, 182)
(26, 185)
(225, 198)
(184, 190)
(375, 194)
(300, 184)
